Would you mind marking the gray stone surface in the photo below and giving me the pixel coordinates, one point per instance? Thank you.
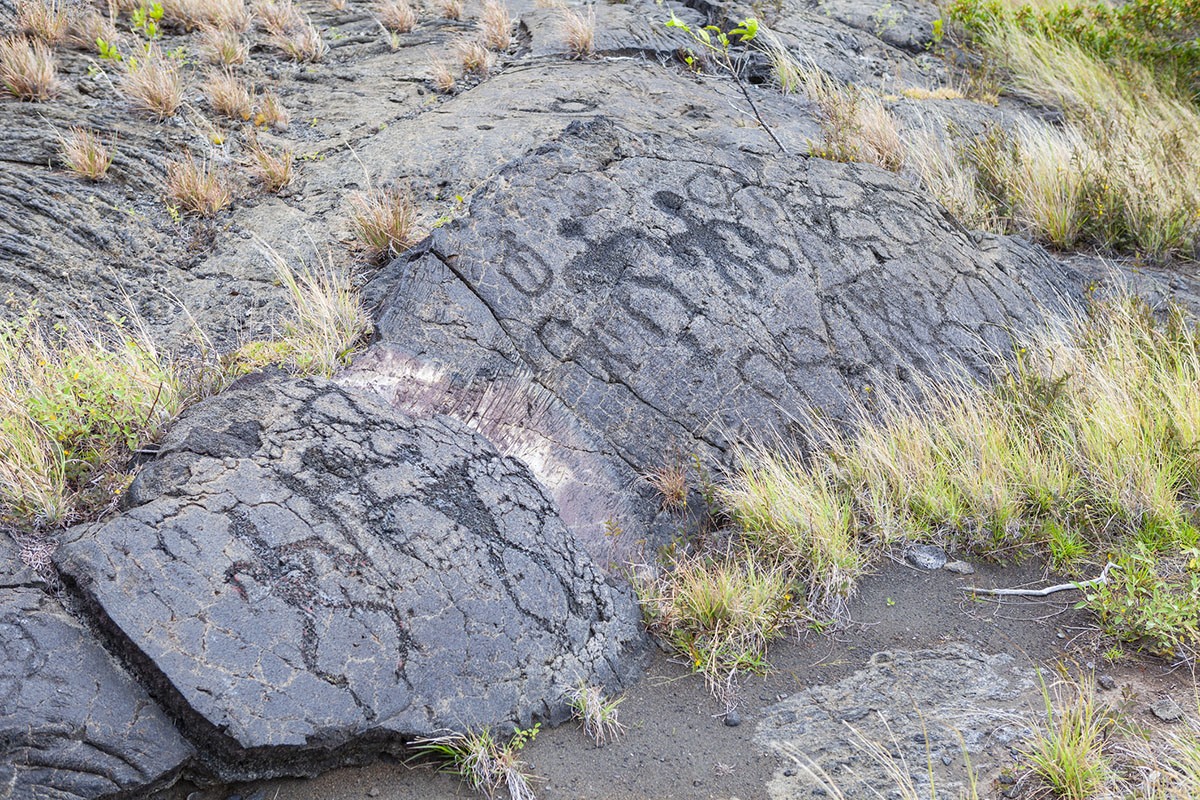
(919, 706)
(1166, 710)
(925, 556)
(73, 724)
(669, 296)
(310, 576)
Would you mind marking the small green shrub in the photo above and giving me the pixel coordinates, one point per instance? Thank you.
(74, 406)
(482, 761)
(1067, 751)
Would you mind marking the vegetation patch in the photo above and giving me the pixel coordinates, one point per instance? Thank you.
(1082, 449)
(484, 762)
(74, 408)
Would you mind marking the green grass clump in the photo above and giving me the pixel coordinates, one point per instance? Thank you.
(719, 610)
(1121, 174)
(1161, 35)
(74, 406)
(484, 762)
(1082, 449)
(1066, 751)
(326, 325)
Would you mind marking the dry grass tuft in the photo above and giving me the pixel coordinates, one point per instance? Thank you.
(940, 93)
(272, 112)
(84, 154)
(326, 326)
(192, 14)
(277, 17)
(198, 187)
(383, 220)
(596, 713)
(396, 15)
(302, 43)
(474, 57)
(90, 25)
(47, 20)
(274, 169)
(450, 9)
(496, 25)
(580, 31)
(153, 83)
(229, 95)
(855, 127)
(222, 46)
(669, 480)
(440, 74)
(28, 70)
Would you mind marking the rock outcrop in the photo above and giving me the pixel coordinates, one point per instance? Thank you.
(73, 724)
(655, 295)
(309, 576)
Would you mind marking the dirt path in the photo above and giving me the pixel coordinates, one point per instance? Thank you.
(915, 643)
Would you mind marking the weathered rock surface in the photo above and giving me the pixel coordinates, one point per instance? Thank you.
(672, 296)
(310, 575)
(73, 724)
(924, 708)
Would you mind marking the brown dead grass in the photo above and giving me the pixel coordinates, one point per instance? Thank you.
(274, 168)
(198, 187)
(272, 112)
(496, 25)
(440, 74)
(222, 46)
(193, 14)
(47, 20)
(84, 154)
(383, 220)
(474, 57)
(229, 95)
(28, 70)
(154, 84)
(450, 9)
(580, 31)
(396, 15)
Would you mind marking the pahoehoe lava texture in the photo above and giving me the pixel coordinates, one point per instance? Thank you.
(73, 724)
(311, 574)
(672, 295)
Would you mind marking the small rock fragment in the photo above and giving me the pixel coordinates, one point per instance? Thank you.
(1166, 710)
(1106, 682)
(926, 556)
(373, 791)
(959, 567)
(733, 719)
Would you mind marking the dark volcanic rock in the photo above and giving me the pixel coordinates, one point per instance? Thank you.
(317, 577)
(73, 724)
(668, 295)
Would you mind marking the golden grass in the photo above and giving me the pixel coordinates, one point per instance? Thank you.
(198, 187)
(940, 93)
(271, 112)
(855, 127)
(440, 74)
(28, 69)
(277, 17)
(396, 15)
(580, 31)
(450, 9)
(383, 220)
(326, 325)
(73, 408)
(222, 46)
(1131, 149)
(229, 95)
(302, 43)
(153, 83)
(496, 25)
(47, 20)
(89, 25)
(232, 15)
(273, 168)
(84, 154)
(474, 57)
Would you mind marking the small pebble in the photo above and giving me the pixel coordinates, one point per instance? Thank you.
(373, 791)
(1006, 779)
(733, 719)
(789, 773)
(947, 760)
(1106, 681)
(1167, 710)
(959, 567)
(925, 556)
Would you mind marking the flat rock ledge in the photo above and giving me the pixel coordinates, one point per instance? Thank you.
(73, 723)
(308, 577)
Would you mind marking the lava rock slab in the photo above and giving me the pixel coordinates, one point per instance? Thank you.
(73, 724)
(311, 577)
(674, 297)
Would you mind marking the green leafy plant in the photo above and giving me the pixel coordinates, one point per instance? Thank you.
(717, 45)
(145, 20)
(482, 761)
